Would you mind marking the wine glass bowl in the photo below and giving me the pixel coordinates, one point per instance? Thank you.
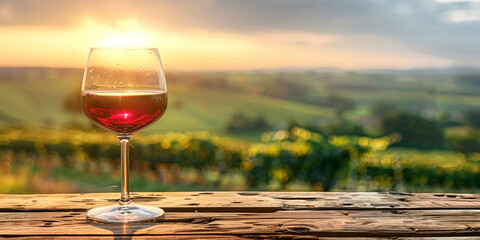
(123, 91)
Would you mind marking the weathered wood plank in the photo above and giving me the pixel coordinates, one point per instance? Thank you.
(176, 237)
(249, 215)
(324, 223)
(209, 237)
(468, 214)
(244, 201)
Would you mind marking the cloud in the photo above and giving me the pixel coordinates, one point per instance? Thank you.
(441, 28)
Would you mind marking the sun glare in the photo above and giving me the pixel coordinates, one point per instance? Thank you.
(131, 39)
(188, 49)
(126, 33)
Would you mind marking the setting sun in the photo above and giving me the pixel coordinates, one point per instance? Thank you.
(131, 39)
(126, 33)
(198, 48)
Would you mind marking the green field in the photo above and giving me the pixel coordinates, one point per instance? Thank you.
(35, 97)
(38, 102)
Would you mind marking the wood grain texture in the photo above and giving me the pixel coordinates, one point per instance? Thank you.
(347, 223)
(137, 237)
(217, 237)
(250, 215)
(244, 201)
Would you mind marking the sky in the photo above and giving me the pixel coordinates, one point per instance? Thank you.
(246, 34)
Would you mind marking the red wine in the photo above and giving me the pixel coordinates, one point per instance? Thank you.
(124, 111)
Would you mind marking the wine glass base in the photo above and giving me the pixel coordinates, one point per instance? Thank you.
(129, 213)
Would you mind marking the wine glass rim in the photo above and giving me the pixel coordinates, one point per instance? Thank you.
(124, 48)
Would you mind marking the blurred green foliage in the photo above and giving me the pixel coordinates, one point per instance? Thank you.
(420, 170)
(241, 122)
(469, 143)
(283, 157)
(340, 104)
(419, 108)
(472, 117)
(416, 131)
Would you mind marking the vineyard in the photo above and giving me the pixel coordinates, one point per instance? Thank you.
(32, 160)
(421, 171)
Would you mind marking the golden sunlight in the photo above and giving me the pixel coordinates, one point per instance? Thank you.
(126, 34)
(131, 39)
(191, 49)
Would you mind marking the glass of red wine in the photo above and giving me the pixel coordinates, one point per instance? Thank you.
(124, 91)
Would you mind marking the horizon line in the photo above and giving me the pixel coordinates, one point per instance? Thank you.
(273, 69)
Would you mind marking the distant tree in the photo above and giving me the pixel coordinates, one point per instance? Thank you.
(260, 123)
(415, 130)
(241, 122)
(465, 144)
(472, 117)
(238, 122)
(340, 104)
(446, 119)
(382, 108)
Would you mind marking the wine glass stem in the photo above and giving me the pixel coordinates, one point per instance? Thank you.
(125, 197)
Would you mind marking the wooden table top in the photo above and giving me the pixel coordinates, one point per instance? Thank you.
(249, 215)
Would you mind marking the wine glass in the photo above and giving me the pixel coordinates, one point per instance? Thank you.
(124, 91)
